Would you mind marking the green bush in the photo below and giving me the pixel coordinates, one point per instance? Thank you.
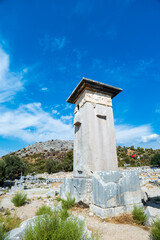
(19, 199)
(67, 163)
(53, 165)
(155, 230)
(2, 231)
(67, 203)
(14, 166)
(52, 227)
(2, 171)
(139, 215)
(56, 165)
(7, 223)
(155, 160)
(44, 210)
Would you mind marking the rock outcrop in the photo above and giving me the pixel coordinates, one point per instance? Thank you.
(51, 148)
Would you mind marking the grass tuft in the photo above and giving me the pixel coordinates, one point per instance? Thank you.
(155, 230)
(139, 215)
(19, 199)
(44, 210)
(67, 203)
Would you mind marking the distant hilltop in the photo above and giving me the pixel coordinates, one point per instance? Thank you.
(48, 149)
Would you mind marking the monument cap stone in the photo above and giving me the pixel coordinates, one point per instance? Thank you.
(94, 86)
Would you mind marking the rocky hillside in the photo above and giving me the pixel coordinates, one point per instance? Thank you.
(48, 149)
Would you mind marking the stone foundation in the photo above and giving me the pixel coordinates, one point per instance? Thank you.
(109, 193)
(112, 212)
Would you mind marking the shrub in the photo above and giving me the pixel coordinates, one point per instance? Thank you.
(19, 199)
(53, 165)
(14, 166)
(67, 203)
(44, 210)
(2, 171)
(67, 163)
(7, 223)
(155, 230)
(54, 228)
(2, 231)
(155, 160)
(139, 215)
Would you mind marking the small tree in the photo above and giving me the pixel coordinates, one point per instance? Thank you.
(14, 166)
(2, 171)
(155, 160)
(53, 165)
(68, 162)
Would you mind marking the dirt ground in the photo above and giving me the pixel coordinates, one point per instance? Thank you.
(106, 230)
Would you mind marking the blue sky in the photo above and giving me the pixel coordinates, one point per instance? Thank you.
(46, 47)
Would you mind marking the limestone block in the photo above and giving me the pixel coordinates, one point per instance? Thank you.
(152, 214)
(112, 212)
(101, 212)
(116, 188)
(80, 188)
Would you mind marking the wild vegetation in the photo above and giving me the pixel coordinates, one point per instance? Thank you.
(7, 223)
(139, 215)
(134, 157)
(19, 199)
(56, 225)
(155, 230)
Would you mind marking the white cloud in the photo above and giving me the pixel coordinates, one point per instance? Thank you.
(10, 82)
(69, 117)
(31, 123)
(55, 112)
(44, 89)
(150, 137)
(131, 135)
(54, 43)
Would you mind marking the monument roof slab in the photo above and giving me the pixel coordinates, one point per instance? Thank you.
(92, 86)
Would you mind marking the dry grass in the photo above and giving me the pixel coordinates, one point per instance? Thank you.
(125, 218)
(122, 219)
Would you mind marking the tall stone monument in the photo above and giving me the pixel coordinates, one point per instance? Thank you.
(94, 134)
(97, 180)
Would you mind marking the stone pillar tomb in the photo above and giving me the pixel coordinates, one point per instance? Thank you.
(94, 134)
(96, 180)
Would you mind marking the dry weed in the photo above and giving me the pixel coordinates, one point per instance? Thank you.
(122, 219)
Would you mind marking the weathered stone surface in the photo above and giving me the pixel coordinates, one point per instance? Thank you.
(152, 214)
(116, 188)
(113, 211)
(79, 188)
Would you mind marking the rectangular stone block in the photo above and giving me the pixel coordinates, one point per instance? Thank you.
(116, 188)
(80, 188)
(101, 212)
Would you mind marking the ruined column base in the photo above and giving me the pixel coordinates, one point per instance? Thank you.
(110, 193)
(113, 211)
